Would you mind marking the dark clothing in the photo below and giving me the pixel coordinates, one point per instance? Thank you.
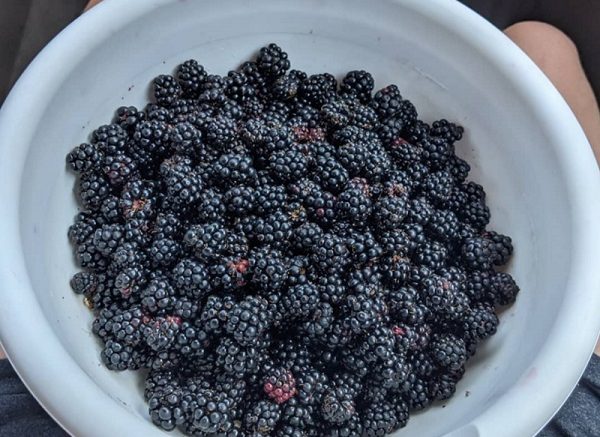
(26, 26)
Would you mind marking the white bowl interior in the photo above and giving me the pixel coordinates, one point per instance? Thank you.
(443, 73)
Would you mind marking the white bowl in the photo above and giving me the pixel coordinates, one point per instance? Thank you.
(523, 142)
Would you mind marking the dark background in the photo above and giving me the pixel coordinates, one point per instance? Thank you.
(27, 25)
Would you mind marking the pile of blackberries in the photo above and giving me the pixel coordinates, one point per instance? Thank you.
(286, 254)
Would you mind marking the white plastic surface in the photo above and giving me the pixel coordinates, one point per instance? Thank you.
(522, 141)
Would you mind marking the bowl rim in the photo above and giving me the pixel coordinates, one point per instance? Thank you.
(36, 339)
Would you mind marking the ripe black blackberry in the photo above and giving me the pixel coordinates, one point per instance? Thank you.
(191, 278)
(111, 139)
(363, 247)
(247, 320)
(298, 302)
(238, 87)
(208, 411)
(379, 419)
(318, 89)
(337, 405)
(272, 61)
(419, 394)
(358, 84)
(330, 254)
(480, 322)
(420, 211)
(437, 293)
(478, 253)
(336, 114)
(159, 295)
(404, 307)
(233, 169)
(437, 187)
(286, 87)
(448, 351)
(110, 210)
(447, 130)
(503, 290)
(210, 206)
(330, 174)
(107, 238)
(235, 359)
(118, 356)
(84, 225)
(262, 417)
(127, 117)
(269, 269)
(318, 322)
(84, 282)
(443, 225)
(270, 198)
(119, 169)
(215, 313)
(93, 189)
(85, 157)
(296, 415)
(362, 312)
(389, 211)
(151, 139)
(504, 247)
(166, 90)
(164, 252)
(289, 165)
(240, 200)
(190, 76)
(354, 203)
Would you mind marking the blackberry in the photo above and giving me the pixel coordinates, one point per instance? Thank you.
(85, 157)
(336, 114)
(269, 270)
(420, 211)
(330, 174)
(128, 117)
(235, 359)
(270, 198)
(306, 236)
(418, 396)
(240, 200)
(280, 385)
(272, 61)
(107, 238)
(458, 168)
(165, 410)
(331, 288)
(447, 130)
(395, 243)
(119, 357)
(318, 89)
(478, 253)
(233, 169)
(354, 203)
(436, 152)
(387, 102)
(418, 131)
(422, 364)
(210, 206)
(128, 254)
(274, 229)
(443, 225)
(337, 405)
(403, 153)
(186, 139)
(151, 139)
(359, 84)
(93, 189)
(138, 200)
(166, 90)
(159, 295)
(206, 240)
(288, 166)
(247, 320)
(208, 412)
(299, 301)
(363, 247)
(476, 214)
(330, 253)
(437, 187)
(229, 273)
(83, 227)
(321, 206)
(448, 351)
(437, 293)
(404, 307)
(219, 132)
(215, 313)
(319, 321)
(443, 386)
(379, 419)
(262, 417)
(389, 212)
(183, 185)
(504, 247)
(167, 225)
(161, 332)
(84, 282)
(164, 252)
(212, 91)
(119, 169)
(480, 322)
(503, 289)
(392, 372)
(238, 87)
(296, 415)
(111, 139)
(191, 278)
(361, 312)
(432, 254)
(364, 117)
(286, 87)
(190, 76)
